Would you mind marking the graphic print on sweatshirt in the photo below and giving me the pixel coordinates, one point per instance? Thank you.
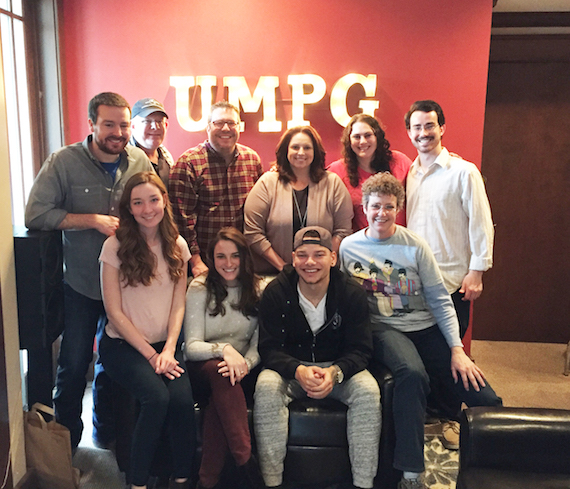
(394, 293)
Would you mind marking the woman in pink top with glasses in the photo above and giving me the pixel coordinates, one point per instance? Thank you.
(366, 151)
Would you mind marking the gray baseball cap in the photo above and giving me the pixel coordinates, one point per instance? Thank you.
(147, 106)
(323, 237)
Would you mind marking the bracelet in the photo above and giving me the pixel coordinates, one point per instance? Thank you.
(152, 356)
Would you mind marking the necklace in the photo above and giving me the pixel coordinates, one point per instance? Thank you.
(302, 219)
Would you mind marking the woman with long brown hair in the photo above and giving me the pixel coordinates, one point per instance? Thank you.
(366, 151)
(298, 193)
(143, 280)
(221, 335)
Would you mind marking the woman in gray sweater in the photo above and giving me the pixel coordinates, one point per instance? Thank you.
(221, 335)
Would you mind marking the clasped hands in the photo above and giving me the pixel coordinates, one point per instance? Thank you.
(317, 382)
(165, 364)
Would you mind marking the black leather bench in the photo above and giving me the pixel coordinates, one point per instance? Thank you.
(317, 450)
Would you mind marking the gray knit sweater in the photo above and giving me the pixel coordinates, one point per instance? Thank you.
(205, 336)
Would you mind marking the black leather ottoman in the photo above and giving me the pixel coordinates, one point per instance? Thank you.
(518, 448)
(317, 448)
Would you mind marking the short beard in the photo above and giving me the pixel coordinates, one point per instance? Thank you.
(104, 148)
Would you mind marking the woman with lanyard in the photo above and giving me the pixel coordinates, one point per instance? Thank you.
(297, 192)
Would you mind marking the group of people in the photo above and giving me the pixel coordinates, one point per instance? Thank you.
(353, 284)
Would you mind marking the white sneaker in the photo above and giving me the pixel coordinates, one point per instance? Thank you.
(411, 484)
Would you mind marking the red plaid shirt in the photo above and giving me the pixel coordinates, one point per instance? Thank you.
(206, 194)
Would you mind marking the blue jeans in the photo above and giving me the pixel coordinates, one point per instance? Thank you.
(463, 311)
(164, 404)
(416, 360)
(103, 415)
(81, 317)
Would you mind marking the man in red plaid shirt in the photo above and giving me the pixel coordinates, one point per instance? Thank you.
(209, 183)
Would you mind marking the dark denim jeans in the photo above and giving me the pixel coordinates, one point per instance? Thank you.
(416, 360)
(82, 316)
(103, 415)
(463, 310)
(163, 403)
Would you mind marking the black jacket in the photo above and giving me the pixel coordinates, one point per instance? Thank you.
(286, 340)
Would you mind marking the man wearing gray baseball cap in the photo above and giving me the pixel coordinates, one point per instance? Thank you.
(315, 341)
(149, 124)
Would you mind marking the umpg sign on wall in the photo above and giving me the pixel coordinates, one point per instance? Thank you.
(305, 90)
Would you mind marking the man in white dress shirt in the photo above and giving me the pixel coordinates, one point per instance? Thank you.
(447, 205)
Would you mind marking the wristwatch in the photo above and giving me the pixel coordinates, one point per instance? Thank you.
(339, 375)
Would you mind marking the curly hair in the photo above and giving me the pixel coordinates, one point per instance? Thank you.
(382, 155)
(215, 286)
(383, 183)
(317, 169)
(138, 262)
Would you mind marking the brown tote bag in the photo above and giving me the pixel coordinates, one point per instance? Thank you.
(48, 450)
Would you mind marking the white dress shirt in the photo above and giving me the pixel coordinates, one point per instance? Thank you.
(447, 205)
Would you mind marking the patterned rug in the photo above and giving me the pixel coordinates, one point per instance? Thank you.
(442, 465)
(99, 469)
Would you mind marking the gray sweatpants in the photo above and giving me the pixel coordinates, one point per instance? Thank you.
(271, 419)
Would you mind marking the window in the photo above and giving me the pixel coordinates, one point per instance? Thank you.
(17, 105)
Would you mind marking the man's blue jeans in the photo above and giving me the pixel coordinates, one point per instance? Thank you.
(416, 360)
(463, 310)
(82, 315)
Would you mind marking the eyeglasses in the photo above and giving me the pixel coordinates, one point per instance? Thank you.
(150, 122)
(385, 208)
(221, 124)
(429, 127)
(357, 137)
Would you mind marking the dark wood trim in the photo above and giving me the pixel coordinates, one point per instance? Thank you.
(527, 98)
(531, 19)
(31, 39)
(44, 71)
(5, 461)
(530, 48)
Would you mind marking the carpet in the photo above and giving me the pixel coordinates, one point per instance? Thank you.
(442, 465)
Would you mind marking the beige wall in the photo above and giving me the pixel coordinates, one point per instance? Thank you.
(10, 316)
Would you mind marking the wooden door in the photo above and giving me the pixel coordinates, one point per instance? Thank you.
(526, 163)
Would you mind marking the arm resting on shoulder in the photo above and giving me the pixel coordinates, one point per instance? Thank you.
(106, 225)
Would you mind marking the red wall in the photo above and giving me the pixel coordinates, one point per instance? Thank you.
(432, 49)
